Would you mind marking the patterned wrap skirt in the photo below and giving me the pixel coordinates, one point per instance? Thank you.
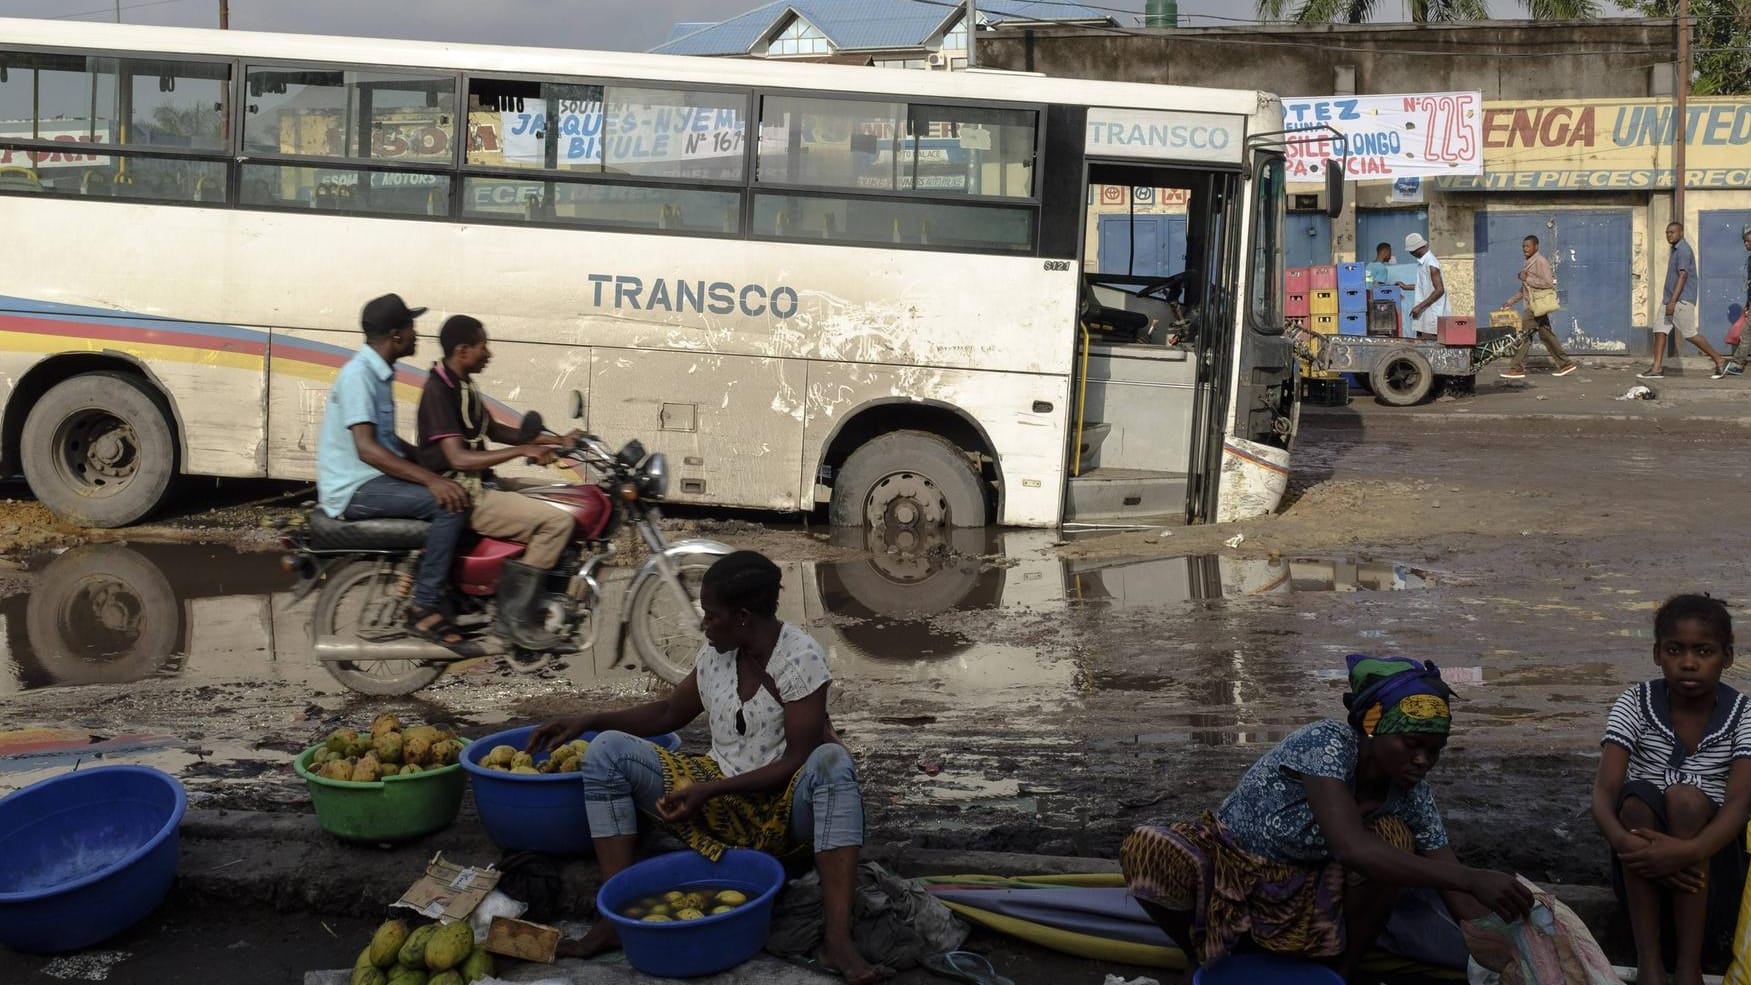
(1234, 895)
(759, 821)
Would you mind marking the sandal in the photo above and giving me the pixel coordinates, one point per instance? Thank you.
(441, 632)
(965, 966)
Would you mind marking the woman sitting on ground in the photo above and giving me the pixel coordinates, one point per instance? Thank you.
(777, 778)
(1308, 854)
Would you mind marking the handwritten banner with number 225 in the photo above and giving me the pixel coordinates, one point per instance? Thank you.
(1417, 135)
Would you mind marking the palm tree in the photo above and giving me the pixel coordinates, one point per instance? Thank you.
(1422, 11)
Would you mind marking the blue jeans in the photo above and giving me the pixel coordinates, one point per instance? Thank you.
(622, 776)
(385, 497)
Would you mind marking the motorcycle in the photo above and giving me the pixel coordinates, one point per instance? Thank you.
(366, 569)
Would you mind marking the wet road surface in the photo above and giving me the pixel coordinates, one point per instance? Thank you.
(1008, 691)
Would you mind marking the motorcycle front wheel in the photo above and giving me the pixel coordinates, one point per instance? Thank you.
(364, 597)
(667, 635)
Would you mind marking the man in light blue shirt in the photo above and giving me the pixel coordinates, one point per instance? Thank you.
(1678, 307)
(364, 471)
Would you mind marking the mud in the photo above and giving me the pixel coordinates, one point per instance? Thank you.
(1015, 690)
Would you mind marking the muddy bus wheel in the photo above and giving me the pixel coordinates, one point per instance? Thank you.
(1401, 378)
(908, 480)
(99, 449)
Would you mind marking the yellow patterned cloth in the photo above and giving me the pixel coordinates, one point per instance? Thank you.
(1195, 867)
(760, 821)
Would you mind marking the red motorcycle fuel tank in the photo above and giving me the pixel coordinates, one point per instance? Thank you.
(477, 570)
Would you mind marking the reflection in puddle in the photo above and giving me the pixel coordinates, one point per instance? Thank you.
(117, 613)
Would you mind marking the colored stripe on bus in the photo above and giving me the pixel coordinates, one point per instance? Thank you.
(1248, 456)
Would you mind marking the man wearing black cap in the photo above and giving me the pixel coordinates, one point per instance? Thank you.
(363, 471)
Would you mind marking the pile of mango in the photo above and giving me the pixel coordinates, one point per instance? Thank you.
(434, 954)
(683, 904)
(386, 750)
(568, 758)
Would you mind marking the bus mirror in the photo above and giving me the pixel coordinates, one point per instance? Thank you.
(577, 406)
(1334, 188)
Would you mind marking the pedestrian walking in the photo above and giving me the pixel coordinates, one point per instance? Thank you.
(1429, 293)
(1679, 311)
(1742, 348)
(1538, 290)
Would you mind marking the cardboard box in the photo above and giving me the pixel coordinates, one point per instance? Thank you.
(522, 940)
(448, 891)
(1456, 330)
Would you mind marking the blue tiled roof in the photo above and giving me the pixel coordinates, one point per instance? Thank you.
(859, 24)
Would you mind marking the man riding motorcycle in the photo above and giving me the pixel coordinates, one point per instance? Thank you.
(364, 471)
(454, 428)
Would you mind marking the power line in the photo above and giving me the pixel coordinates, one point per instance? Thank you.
(110, 10)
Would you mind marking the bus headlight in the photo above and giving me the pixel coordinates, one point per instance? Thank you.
(656, 475)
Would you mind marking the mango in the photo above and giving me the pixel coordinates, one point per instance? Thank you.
(674, 897)
(656, 918)
(479, 965)
(368, 771)
(415, 749)
(364, 960)
(410, 769)
(359, 747)
(336, 769)
(413, 953)
(525, 769)
(695, 901)
(384, 724)
(690, 913)
(386, 943)
(407, 976)
(731, 897)
(424, 733)
(449, 946)
(500, 756)
(388, 747)
(368, 975)
(722, 908)
(522, 759)
(319, 757)
(446, 978)
(546, 765)
(340, 740)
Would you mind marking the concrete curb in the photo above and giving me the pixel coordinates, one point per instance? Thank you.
(288, 862)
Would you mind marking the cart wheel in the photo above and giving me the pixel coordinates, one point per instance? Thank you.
(1402, 378)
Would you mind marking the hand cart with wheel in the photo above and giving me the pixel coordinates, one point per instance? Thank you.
(1403, 372)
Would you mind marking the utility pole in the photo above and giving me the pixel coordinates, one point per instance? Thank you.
(1681, 86)
(224, 15)
(118, 11)
(972, 33)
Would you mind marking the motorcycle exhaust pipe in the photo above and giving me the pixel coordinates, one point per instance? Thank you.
(331, 649)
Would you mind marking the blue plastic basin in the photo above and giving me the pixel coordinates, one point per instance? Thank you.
(1265, 969)
(86, 855)
(685, 949)
(541, 812)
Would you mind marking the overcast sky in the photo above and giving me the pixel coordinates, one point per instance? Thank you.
(625, 24)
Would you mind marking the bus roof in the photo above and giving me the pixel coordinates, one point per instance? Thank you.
(979, 85)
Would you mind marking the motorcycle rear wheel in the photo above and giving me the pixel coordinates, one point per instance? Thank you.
(362, 596)
(665, 636)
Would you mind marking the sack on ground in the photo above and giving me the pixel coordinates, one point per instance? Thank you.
(1550, 947)
(893, 921)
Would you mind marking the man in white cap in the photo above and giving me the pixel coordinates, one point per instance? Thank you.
(1429, 293)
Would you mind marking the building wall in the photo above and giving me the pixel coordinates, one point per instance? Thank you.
(1508, 62)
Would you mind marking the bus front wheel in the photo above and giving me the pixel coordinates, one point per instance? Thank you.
(98, 448)
(908, 480)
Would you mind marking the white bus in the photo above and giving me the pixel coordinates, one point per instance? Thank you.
(917, 299)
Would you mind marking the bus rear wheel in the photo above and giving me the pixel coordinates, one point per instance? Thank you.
(908, 481)
(99, 449)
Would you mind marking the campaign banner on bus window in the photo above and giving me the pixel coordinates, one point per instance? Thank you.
(43, 160)
(1420, 135)
(629, 134)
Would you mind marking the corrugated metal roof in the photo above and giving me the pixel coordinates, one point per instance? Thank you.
(861, 24)
(684, 28)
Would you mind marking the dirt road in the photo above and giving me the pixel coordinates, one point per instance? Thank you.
(1023, 693)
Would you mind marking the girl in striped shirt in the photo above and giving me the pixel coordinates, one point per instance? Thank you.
(1674, 791)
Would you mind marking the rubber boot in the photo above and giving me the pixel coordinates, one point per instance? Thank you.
(519, 589)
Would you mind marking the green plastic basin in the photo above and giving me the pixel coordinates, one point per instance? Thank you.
(395, 808)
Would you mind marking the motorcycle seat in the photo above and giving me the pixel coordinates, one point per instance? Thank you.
(388, 534)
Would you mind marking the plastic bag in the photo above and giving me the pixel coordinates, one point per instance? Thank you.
(1551, 947)
(1736, 332)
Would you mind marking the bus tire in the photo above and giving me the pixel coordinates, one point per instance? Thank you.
(908, 479)
(102, 614)
(1402, 378)
(99, 449)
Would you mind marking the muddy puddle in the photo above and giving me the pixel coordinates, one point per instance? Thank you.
(122, 613)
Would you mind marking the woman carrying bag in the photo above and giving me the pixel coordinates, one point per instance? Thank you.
(1538, 289)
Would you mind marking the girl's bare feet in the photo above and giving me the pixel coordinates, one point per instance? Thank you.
(844, 960)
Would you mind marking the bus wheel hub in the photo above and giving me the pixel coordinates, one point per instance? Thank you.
(906, 501)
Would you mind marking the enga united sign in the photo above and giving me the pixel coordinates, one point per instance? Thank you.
(1604, 144)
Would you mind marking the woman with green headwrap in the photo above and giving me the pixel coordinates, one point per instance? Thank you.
(1309, 852)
